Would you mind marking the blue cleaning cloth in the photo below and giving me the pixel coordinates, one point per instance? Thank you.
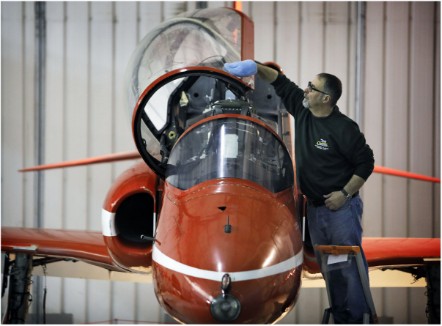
(241, 68)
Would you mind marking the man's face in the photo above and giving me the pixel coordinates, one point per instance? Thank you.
(313, 95)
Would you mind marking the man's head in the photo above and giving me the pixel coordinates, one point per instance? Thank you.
(332, 86)
(324, 89)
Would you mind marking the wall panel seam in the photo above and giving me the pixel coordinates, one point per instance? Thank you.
(384, 54)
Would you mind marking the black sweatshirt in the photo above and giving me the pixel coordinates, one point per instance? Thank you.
(329, 150)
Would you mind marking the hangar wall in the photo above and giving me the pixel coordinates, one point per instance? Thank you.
(81, 112)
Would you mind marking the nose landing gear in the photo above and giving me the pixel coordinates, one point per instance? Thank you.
(225, 307)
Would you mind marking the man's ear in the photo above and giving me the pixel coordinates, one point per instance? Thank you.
(326, 99)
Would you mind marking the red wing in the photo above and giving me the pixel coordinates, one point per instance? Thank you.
(400, 251)
(86, 246)
(389, 252)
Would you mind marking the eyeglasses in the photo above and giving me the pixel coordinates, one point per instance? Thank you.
(313, 88)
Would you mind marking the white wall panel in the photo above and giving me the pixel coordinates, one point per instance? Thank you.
(396, 107)
(74, 294)
(151, 14)
(312, 41)
(54, 299)
(421, 129)
(13, 72)
(126, 34)
(98, 299)
(101, 106)
(373, 115)
(264, 44)
(340, 60)
(76, 106)
(100, 122)
(148, 308)
(29, 115)
(76, 192)
(395, 207)
(124, 309)
(88, 48)
(436, 123)
(54, 137)
(288, 16)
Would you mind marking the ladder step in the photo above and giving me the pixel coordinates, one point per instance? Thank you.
(338, 250)
(335, 250)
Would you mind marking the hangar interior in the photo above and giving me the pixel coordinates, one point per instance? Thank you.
(63, 98)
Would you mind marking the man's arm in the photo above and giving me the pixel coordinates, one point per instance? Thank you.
(267, 73)
(355, 183)
(336, 199)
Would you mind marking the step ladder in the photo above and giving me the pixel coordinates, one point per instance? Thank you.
(351, 252)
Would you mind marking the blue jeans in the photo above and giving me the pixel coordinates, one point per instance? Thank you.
(341, 227)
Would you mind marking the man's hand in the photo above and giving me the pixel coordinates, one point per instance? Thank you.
(241, 68)
(335, 200)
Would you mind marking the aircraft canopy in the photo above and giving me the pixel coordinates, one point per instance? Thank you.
(230, 148)
(207, 37)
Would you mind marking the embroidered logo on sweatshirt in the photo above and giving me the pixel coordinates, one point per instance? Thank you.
(322, 145)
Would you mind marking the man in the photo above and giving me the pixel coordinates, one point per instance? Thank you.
(333, 162)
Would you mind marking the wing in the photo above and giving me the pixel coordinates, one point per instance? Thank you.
(86, 246)
(400, 251)
(390, 253)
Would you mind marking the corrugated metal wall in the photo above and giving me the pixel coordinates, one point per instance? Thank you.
(83, 113)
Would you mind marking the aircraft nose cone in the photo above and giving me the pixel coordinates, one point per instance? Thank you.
(225, 308)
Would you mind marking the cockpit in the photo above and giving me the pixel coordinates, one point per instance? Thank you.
(230, 148)
(194, 122)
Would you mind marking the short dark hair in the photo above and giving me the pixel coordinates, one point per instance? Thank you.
(332, 86)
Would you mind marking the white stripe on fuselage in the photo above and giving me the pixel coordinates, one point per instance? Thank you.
(176, 266)
(108, 223)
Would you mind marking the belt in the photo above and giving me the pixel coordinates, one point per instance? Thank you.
(321, 202)
(316, 202)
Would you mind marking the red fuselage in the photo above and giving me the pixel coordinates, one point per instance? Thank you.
(262, 253)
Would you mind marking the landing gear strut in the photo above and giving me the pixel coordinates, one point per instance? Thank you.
(433, 293)
(19, 288)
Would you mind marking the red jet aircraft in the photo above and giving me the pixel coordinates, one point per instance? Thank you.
(212, 210)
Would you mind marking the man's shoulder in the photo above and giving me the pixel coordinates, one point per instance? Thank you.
(280, 79)
(343, 118)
